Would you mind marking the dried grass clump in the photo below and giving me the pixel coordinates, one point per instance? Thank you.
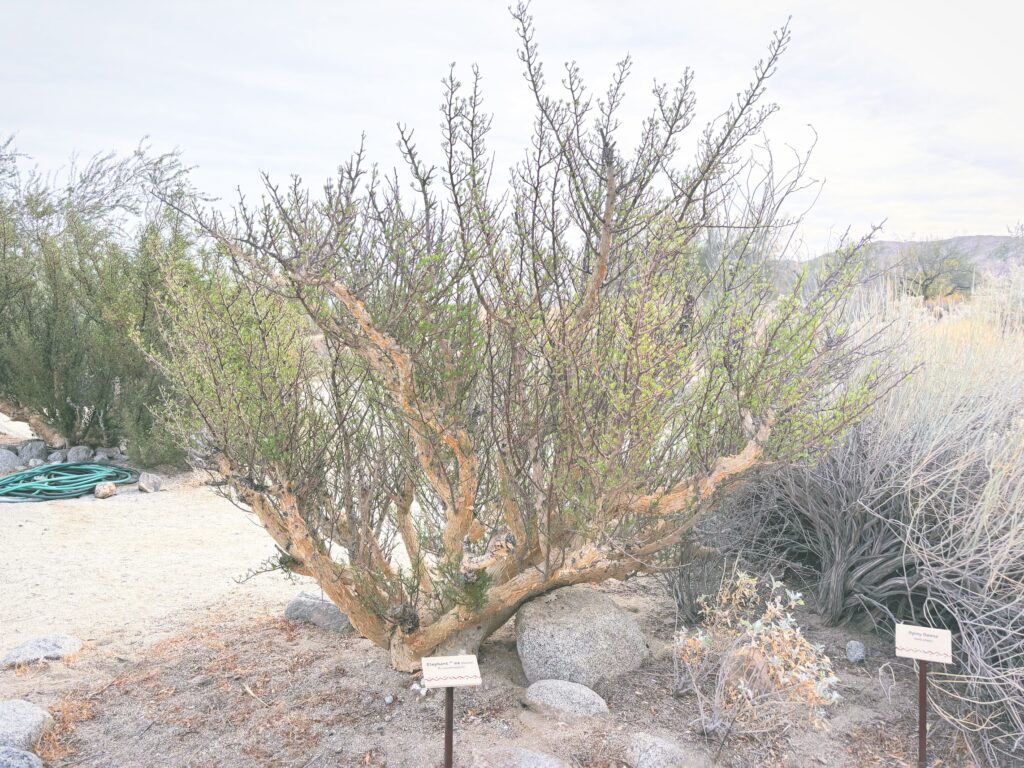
(67, 713)
(919, 513)
(749, 665)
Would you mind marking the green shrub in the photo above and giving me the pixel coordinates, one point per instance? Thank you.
(79, 274)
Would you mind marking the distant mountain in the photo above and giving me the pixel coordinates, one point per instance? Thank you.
(960, 261)
(990, 254)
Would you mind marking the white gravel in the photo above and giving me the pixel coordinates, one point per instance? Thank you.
(130, 568)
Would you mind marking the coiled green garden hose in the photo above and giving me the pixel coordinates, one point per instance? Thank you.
(61, 481)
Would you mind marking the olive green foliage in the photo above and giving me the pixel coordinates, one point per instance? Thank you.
(935, 269)
(244, 365)
(79, 268)
(538, 366)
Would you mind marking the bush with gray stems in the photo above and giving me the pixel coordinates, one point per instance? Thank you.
(918, 514)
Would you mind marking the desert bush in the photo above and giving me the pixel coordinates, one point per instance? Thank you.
(486, 395)
(692, 572)
(749, 665)
(918, 514)
(932, 270)
(78, 273)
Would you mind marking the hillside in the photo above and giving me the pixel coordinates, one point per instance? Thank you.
(960, 261)
(991, 254)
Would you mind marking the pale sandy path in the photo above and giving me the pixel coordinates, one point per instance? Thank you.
(13, 431)
(130, 569)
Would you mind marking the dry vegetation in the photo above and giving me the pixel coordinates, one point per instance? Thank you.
(441, 405)
(232, 692)
(919, 514)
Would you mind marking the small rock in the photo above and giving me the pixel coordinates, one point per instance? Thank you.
(648, 751)
(33, 463)
(57, 457)
(48, 647)
(389, 699)
(104, 490)
(561, 697)
(9, 461)
(578, 634)
(33, 449)
(515, 757)
(18, 758)
(22, 724)
(104, 454)
(150, 483)
(79, 454)
(109, 455)
(855, 651)
(313, 609)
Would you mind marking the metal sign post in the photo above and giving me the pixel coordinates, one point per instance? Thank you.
(449, 726)
(923, 644)
(450, 672)
(922, 713)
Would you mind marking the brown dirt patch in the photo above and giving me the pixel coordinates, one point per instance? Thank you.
(232, 692)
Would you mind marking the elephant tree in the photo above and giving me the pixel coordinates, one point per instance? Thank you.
(441, 405)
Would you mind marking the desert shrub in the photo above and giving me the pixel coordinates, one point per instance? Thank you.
(79, 262)
(514, 391)
(748, 663)
(918, 514)
(693, 572)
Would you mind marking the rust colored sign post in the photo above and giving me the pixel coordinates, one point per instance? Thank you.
(924, 644)
(922, 714)
(450, 672)
(449, 727)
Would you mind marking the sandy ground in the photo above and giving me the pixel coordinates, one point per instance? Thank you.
(235, 691)
(13, 431)
(185, 666)
(130, 569)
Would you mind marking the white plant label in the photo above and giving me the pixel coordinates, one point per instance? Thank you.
(450, 671)
(924, 643)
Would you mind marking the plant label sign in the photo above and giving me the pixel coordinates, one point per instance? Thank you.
(450, 671)
(924, 643)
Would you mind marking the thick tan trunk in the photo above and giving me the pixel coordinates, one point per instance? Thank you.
(517, 576)
(291, 533)
(463, 630)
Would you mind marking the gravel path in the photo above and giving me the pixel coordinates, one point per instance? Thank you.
(13, 431)
(129, 569)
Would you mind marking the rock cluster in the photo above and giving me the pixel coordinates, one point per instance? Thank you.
(563, 698)
(9, 462)
(32, 450)
(104, 490)
(578, 634)
(648, 751)
(35, 453)
(49, 647)
(569, 641)
(18, 758)
(150, 483)
(79, 454)
(855, 651)
(314, 609)
(22, 724)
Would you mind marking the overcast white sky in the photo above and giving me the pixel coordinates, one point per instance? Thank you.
(917, 105)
